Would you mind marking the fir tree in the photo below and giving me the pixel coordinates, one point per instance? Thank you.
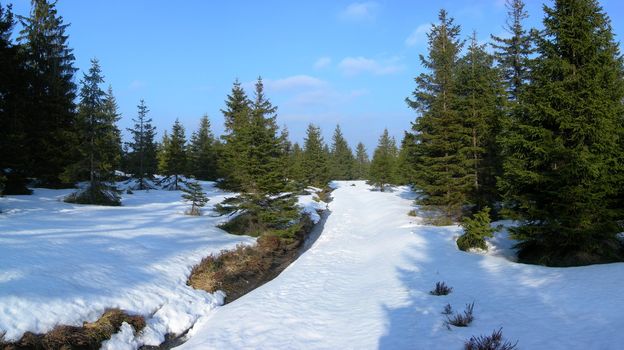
(194, 194)
(384, 164)
(406, 160)
(202, 153)
(174, 156)
(443, 170)
(513, 53)
(362, 163)
(296, 169)
(341, 157)
(52, 143)
(99, 142)
(315, 158)
(564, 158)
(482, 97)
(142, 161)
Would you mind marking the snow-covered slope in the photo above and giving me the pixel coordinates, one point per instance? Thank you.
(64, 264)
(365, 285)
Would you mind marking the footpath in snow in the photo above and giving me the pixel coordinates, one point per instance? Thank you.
(365, 284)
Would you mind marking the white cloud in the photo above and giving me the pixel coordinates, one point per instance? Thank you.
(294, 82)
(419, 35)
(359, 11)
(355, 65)
(322, 62)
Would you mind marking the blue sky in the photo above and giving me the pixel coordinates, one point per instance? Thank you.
(324, 61)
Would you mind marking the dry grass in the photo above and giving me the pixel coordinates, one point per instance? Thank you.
(89, 336)
(491, 342)
(461, 319)
(441, 289)
(239, 271)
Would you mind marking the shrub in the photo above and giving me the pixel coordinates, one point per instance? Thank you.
(441, 289)
(476, 229)
(461, 319)
(492, 342)
(412, 212)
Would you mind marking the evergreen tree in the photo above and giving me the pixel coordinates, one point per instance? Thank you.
(564, 156)
(202, 153)
(99, 141)
(263, 175)
(513, 53)
(296, 169)
(194, 194)
(482, 97)
(142, 162)
(237, 124)
(52, 142)
(14, 97)
(384, 164)
(341, 157)
(443, 170)
(315, 158)
(406, 159)
(362, 163)
(174, 156)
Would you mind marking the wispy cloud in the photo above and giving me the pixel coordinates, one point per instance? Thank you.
(360, 11)
(322, 62)
(351, 66)
(419, 35)
(294, 82)
(137, 85)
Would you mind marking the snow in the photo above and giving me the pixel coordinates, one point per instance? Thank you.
(311, 205)
(365, 284)
(65, 263)
(124, 340)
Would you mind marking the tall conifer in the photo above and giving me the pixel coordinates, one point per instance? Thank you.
(564, 162)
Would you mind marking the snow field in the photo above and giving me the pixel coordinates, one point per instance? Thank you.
(63, 263)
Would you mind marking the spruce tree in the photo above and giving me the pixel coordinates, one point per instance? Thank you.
(142, 161)
(202, 153)
(406, 159)
(564, 156)
(194, 194)
(237, 123)
(513, 53)
(263, 176)
(315, 158)
(443, 171)
(341, 157)
(362, 163)
(14, 99)
(383, 168)
(99, 142)
(482, 97)
(296, 169)
(51, 141)
(174, 156)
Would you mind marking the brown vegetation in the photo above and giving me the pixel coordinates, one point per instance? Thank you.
(239, 271)
(89, 336)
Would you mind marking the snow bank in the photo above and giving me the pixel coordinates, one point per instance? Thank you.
(311, 205)
(64, 263)
(365, 284)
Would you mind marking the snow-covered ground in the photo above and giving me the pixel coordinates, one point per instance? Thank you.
(63, 263)
(365, 284)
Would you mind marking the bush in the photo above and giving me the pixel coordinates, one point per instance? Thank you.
(461, 319)
(476, 229)
(492, 342)
(412, 213)
(441, 289)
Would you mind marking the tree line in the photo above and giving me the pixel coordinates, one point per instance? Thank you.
(534, 130)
